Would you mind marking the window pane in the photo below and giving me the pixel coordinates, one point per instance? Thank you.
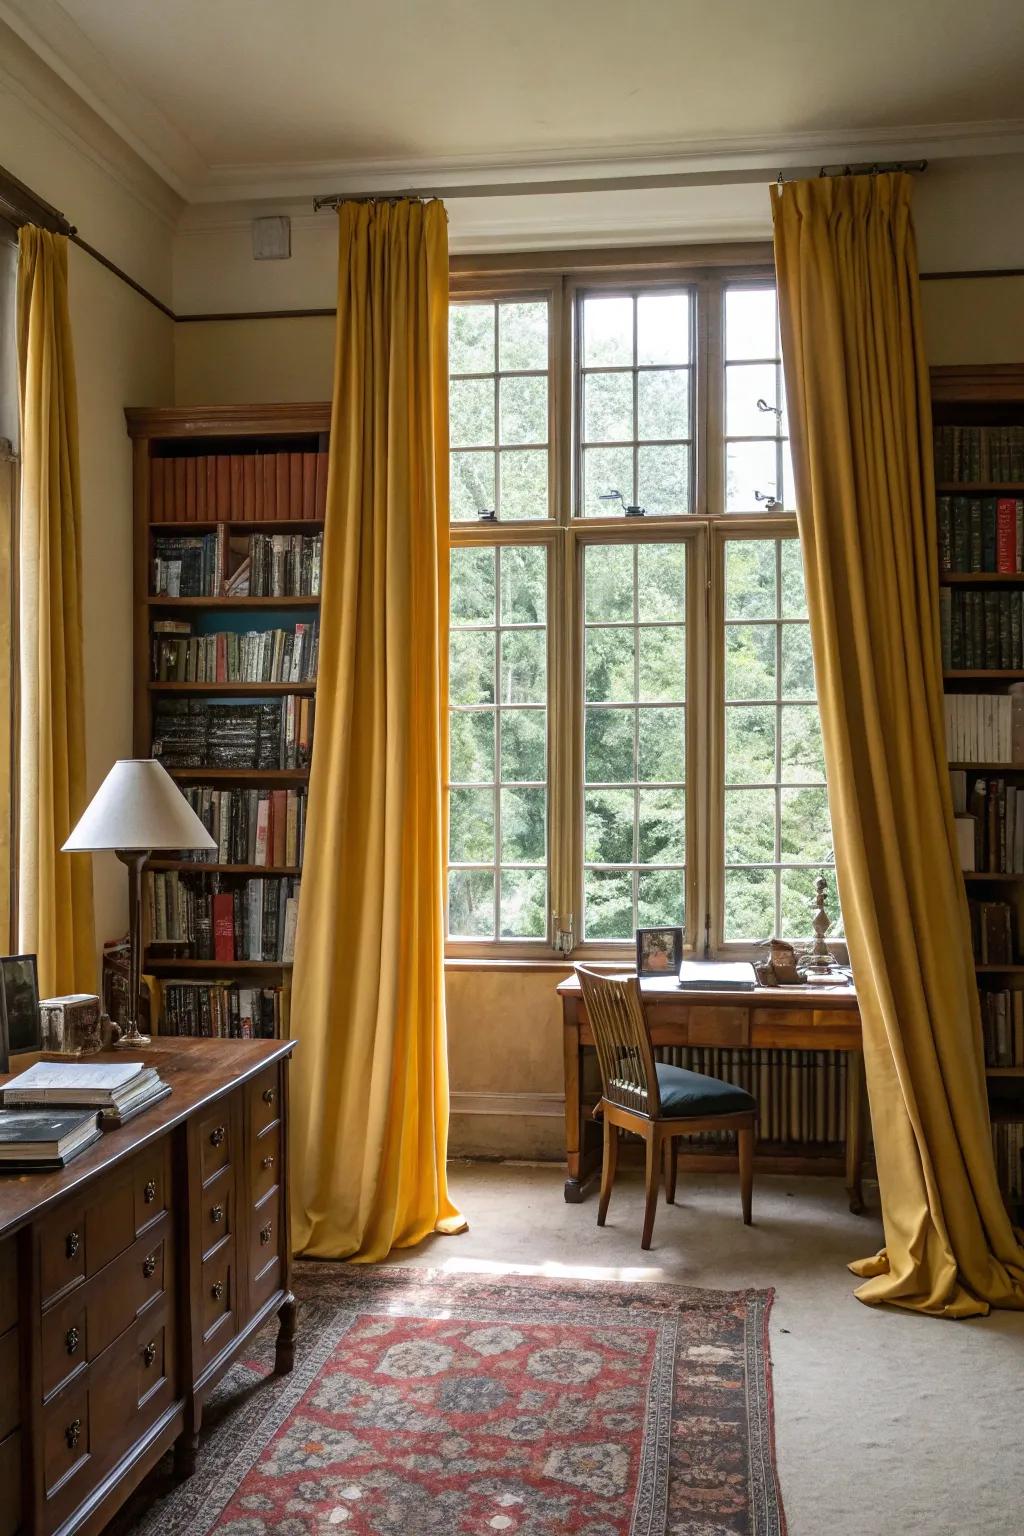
(472, 486)
(608, 577)
(772, 743)
(663, 404)
(610, 665)
(471, 835)
(471, 338)
(751, 476)
(661, 832)
(471, 413)
(606, 470)
(799, 902)
(523, 904)
(663, 480)
(524, 483)
(524, 410)
(609, 746)
(505, 408)
(470, 903)
(472, 586)
(498, 758)
(608, 904)
(607, 332)
(608, 407)
(745, 385)
(662, 672)
(660, 746)
(523, 336)
(660, 898)
(750, 323)
(608, 826)
(661, 581)
(523, 828)
(663, 328)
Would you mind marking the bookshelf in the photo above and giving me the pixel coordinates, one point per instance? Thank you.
(228, 524)
(978, 416)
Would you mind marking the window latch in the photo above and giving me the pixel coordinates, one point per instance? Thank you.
(770, 410)
(771, 501)
(629, 508)
(487, 515)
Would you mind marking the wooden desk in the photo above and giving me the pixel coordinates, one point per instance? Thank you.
(805, 1018)
(130, 1281)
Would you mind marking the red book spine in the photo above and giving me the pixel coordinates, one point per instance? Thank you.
(295, 486)
(268, 469)
(180, 515)
(1006, 534)
(279, 825)
(191, 488)
(282, 462)
(309, 486)
(236, 513)
(157, 468)
(202, 514)
(321, 483)
(223, 926)
(222, 470)
(249, 487)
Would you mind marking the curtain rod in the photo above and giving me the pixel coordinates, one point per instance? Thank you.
(609, 183)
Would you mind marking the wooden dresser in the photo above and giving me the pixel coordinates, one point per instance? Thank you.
(130, 1280)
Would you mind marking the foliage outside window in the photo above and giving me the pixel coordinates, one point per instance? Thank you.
(634, 737)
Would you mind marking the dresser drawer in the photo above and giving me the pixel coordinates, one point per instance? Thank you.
(214, 1134)
(10, 1383)
(263, 1098)
(61, 1250)
(265, 1234)
(266, 1161)
(66, 1439)
(150, 1185)
(79, 1328)
(10, 1482)
(8, 1285)
(216, 1220)
(218, 1301)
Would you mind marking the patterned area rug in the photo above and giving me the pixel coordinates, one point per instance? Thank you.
(430, 1404)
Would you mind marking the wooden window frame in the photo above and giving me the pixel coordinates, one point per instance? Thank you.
(564, 278)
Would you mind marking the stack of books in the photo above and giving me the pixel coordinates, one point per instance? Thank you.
(33, 1140)
(193, 733)
(116, 1090)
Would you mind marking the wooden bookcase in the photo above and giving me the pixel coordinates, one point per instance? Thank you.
(240, 504)
(989, 397)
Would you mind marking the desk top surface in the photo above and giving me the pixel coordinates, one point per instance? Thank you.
(199, 1071)
(664, 989)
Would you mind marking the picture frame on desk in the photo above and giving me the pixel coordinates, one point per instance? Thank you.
(20, 1021)
(659, 951)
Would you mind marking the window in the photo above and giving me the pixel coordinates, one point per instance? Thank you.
(634, 736)
(635, 402)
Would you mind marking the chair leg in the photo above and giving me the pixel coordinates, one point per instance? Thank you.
(609, 1162)
(671, 1168)
(652, 1172)
(745, 1139)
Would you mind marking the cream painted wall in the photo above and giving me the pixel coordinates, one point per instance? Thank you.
(123, 355)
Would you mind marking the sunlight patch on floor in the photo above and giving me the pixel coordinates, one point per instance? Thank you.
(552, 1270)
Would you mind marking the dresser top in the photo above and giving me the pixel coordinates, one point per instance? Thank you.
(199, 1072)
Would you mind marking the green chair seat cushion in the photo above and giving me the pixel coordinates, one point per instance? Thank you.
(686, 1094)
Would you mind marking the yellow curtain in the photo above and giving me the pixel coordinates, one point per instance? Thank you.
(55, 902)
(860, 414)
(370, 1118)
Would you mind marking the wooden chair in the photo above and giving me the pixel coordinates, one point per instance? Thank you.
(654, 1100)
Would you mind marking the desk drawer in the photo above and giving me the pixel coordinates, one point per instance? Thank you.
(84, 1235)
(66, 1439)
(62, 1249)
(219, 1301)
(151, 1184)
(263, 1096)
(266, 1161)
(214, 1133)
(10, 1482)
(216, 1219)
(265, 1234)
(716, 1025)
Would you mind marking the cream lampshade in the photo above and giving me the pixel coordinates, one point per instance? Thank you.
(136, 810)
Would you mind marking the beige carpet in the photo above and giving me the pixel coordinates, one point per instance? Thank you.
(885, 1422)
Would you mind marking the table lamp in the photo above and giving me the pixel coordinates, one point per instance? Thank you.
(137, 810)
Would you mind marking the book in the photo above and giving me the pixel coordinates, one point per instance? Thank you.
(98, 1084)
(44, 1138)
(717, 975)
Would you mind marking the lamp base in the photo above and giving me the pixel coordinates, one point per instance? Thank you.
(131, 1039)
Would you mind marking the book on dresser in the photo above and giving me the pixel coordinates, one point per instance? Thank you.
(116, 1090)
(979, 511)
(229, 519)
(46, 1137)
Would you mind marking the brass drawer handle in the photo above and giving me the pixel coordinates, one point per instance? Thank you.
(217, 1136)
(71, 1340)
(149, 1193)
(269, 1095)
(72, 1243)
(217, 1290)
(216, 1213)
(268, 1161)
(71, 1434)
(265, 1234)
(149, 1265)
(149, 1353)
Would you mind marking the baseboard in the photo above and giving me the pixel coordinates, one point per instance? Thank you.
(511, 1104)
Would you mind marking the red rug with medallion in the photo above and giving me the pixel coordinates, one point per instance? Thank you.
(430, 1404)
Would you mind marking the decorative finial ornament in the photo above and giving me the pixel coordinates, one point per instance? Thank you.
(819, 958)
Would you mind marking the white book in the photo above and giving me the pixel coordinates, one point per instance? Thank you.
(78, 1082)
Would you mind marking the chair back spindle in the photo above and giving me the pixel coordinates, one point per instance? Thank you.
(621, 1038)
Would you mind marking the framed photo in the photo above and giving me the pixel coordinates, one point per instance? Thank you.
(19, 1004)
(659, 951)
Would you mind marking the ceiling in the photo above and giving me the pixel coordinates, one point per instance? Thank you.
(260, 97)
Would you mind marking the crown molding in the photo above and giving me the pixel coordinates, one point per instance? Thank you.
(47, 29)
(58, 107)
